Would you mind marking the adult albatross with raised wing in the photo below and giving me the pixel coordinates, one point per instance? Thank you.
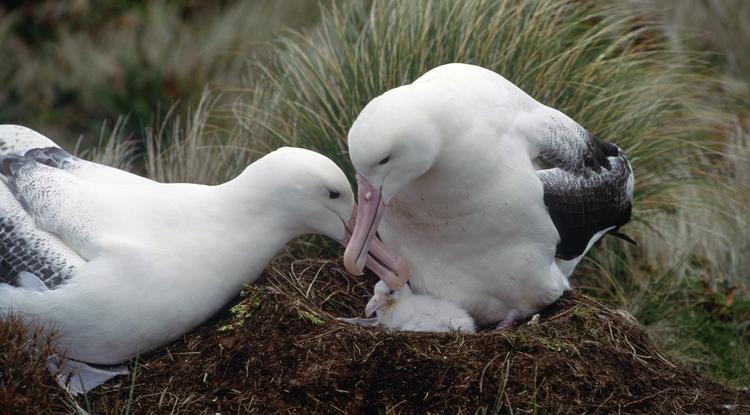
(490, 197)
(119, 264)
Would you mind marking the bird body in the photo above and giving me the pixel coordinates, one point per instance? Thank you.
(490, 196)
(402, 310)
(118, 264)
(153, 269)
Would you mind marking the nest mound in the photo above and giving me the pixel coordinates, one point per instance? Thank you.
(281, 349)
(25, 385)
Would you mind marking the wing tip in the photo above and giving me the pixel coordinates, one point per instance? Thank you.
(624, 237)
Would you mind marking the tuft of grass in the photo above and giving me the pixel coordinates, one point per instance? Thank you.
(703, 326)
(601, 66)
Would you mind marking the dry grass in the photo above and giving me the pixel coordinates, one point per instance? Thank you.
(281, 349)
(25, 385)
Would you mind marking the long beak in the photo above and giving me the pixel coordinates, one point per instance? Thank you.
(377, 302)
(381, 260)
(369, 211)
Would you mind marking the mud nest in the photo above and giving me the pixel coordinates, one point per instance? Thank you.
(281, 349)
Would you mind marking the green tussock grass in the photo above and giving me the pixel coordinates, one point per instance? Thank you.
(594, 64)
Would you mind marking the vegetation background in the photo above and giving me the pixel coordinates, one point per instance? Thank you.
(194, 91)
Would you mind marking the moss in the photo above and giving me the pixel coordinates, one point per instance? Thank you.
(242, 312)
(552, 346)
(311, 317)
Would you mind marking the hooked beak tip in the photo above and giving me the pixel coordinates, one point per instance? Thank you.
(376, 303)
(352, 263)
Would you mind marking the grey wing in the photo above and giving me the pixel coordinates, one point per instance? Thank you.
(24, 248)
(17, 140)
(56, 201)
(21, 141)
(588, 187)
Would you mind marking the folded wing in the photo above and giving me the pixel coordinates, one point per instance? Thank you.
(588, 187)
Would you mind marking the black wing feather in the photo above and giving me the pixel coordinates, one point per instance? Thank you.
(589, 189)
(54, 157)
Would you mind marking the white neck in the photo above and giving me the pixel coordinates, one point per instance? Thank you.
(262, 228)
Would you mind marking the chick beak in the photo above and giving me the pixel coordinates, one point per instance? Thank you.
(377, 302)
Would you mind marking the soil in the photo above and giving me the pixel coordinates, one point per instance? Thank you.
(280, 349)
(26, 387)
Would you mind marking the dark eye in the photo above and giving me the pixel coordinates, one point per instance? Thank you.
(333, 195)
(385, 160)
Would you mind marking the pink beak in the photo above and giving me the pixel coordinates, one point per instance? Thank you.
(386, 264)
(377, 302)
(364, 248)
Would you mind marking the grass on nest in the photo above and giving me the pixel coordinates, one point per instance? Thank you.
(25, 384)
(281, 359)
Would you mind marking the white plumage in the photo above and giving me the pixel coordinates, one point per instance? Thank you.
(402, 310)
(120, 264)
(491, 197)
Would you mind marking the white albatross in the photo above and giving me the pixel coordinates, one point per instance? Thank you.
(489, 196)
(118, 264)
(402, 310)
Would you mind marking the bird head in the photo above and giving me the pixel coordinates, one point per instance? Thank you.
(391, 144)
(384, 298)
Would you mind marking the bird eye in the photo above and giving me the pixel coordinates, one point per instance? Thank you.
(333, 195)
(385, 160)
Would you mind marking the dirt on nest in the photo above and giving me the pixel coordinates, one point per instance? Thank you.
(281, 349)
(25, 385)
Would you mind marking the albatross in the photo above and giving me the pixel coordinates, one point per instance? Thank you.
(405, 311)
(490, 197)
(119, 264)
